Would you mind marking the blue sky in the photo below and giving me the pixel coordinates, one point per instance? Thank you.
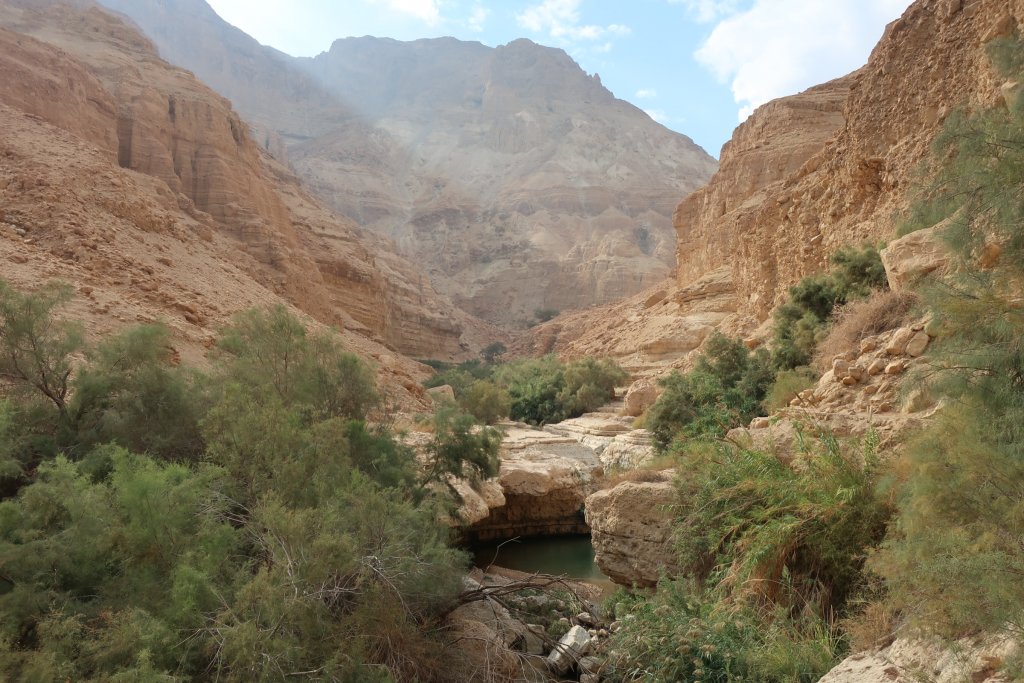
(696, 66)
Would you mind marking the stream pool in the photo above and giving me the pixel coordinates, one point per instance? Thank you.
(571, 556)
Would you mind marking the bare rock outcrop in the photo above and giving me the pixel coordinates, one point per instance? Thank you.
(155, 202)
(908, 660)
(912, 257)
(631, 529)
(544, 480)
(804, 176)
(514, 177)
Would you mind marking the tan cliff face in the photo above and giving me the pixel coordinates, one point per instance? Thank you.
(131, 180)
(516, 180)
(929, 62)
(802, 177)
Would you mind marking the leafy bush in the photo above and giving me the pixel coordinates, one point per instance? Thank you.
(961, 521)
(802, 322)
(545, 390)
(486, 401)
(770, 555)
(492, 352)
(724, 390)
(787, 385)
(269, 533)
(542, 315)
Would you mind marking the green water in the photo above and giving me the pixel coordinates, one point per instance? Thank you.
(571, 556)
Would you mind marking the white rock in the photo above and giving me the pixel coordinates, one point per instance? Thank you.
(568, 651)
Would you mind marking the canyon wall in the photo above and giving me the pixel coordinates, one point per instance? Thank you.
(513, 177)
(131, 180)
(802, 177)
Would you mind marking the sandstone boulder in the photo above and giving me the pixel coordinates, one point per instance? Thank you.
(908, 661)
(914, 256)
(641, 395)
(631, 529)
(917, 344)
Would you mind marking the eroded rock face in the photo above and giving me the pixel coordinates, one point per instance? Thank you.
(915, 256)
(909, 660)
(517, 179)
(631, 529)
(544, 480)
(153, 198)
(804, 176)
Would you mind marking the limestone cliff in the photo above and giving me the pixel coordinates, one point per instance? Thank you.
(804, 176)
(130, 179)
(516, 179)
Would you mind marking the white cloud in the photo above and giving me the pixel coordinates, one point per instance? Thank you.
(709, 10)
(646, 93)
(562, 21)
(477, 18)
(658, 115)
(779, 47)
(426, 11)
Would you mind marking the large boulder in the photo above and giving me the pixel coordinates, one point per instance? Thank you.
(545, 479)
(910, 660)
(631, 529)
(914, 256)
(569, 650)
(641, 395)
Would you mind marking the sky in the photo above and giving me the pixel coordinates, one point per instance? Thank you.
(698, 67)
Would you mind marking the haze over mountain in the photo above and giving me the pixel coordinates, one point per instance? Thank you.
(514, 178)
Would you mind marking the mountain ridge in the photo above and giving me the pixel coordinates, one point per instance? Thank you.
(511, 198)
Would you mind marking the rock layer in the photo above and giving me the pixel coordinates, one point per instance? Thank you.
(153, 200)
(803, 176)
(514, 177)
(631, 529)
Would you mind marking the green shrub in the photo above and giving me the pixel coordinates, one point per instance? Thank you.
(542, 315)
(486, 401)
(493, 352)
(270, 350)
(769, 554)
(802, 322)
(276, 535)
(724, 390)
(460, 448)
(544, 390)
(962, 511)
(132, 393)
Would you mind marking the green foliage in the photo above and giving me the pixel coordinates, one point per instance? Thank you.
(269, 532)
(769, 554)
(270, 350)
(132, 393)
(962, 512)
(686, 634)
(486, 401)
(493, 352)
(724, 390)
(35, 346)
(460, 448)
(460, 377)
(785, 534)
(802, 322)
(544, 390)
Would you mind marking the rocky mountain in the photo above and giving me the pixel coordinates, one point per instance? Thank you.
(131, 180)
(513, 177)
(804, 176)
